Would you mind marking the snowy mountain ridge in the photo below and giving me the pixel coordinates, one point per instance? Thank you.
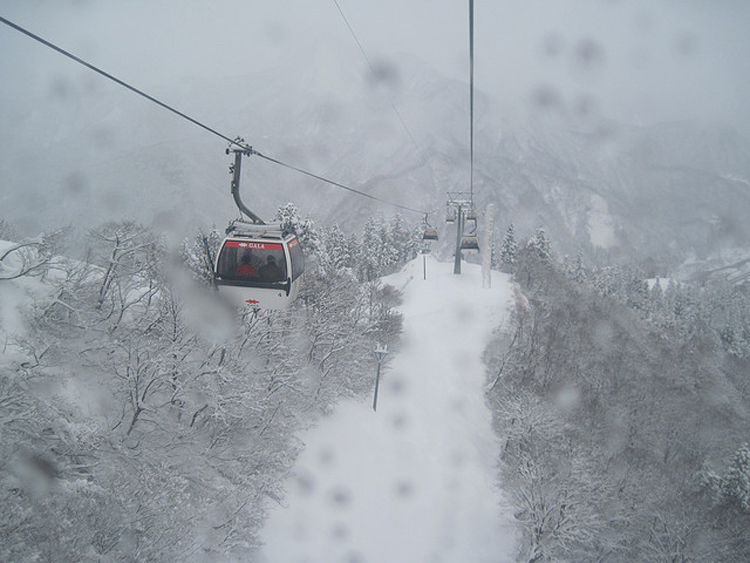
(661, 192)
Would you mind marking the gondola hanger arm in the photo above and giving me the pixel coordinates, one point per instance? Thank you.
(240, 149)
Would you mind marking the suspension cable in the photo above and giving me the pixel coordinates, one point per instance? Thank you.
(246, 148)
(342, 186)
(375, 75)
(471, 100)
(113, 78)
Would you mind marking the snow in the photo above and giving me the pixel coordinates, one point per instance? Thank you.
(14, 296)
(600, 223)
(735, 178)
(663, 283)
(415, 481)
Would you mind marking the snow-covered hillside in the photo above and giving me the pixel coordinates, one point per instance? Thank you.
(416, 480)
(198, 432)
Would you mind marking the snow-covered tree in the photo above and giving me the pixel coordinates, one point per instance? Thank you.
(340, 249)
(404, 240)
(541, 245)
(128, 256)
(572, 358)
(289, 217)
(509, 249)
(636, 290)
(7, 231)
(385, 245)
(371, 252)
(656, 301)
(735, 484)
(199, 254)
(174, 412)
(579, 270)
(30, 257)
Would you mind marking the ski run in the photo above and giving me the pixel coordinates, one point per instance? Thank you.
(417, 480)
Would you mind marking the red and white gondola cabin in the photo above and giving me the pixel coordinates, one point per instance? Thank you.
(260, 266)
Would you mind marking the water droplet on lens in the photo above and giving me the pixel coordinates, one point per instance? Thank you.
(404, 489)
(589, 56)
(340, 532)
(397, 385)
(306, 483)
(340, 497)
(545, 97)
(399, 421)
(553, 45)
(326, 456)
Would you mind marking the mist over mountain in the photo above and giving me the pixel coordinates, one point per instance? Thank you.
(657, 194)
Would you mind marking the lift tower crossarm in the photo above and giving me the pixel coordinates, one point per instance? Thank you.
(461, 202)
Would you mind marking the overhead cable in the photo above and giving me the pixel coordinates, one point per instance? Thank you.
(342, 186)
(113, 78)
(471, 99)
(249, 150)
(375, 75)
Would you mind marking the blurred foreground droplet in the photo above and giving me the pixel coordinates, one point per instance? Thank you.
(545, 98)
(589, 56)
(305, 482)
(341, 497)
(340, 532)
(404, 488)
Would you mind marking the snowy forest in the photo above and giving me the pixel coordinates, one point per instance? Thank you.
(138, 428)
(620, 402)
(143, 421)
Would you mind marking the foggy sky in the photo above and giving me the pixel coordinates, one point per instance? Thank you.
(638, 61)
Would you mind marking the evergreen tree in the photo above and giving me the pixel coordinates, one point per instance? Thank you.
(579, 271)
(541, 245)
(290, 219)
(656, 302)
(385, 245)
(636, 290)
(735, 486)
(403, 239)
(574, 268)
(388, 255)
(340, 249)
(509, 249)
(368, 256)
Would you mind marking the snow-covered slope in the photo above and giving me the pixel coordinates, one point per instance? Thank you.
(416, 480)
